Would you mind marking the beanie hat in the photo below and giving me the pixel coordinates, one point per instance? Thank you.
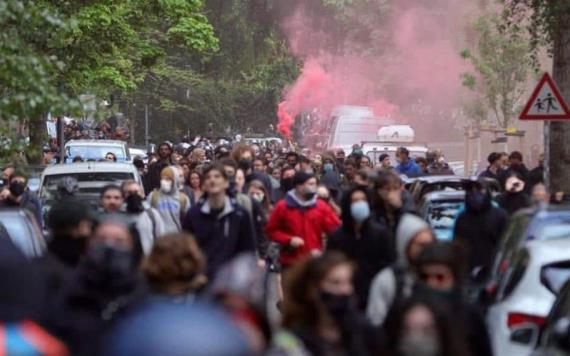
(301, 177)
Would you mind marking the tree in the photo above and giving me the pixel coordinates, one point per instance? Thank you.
(550, 24)
(502, 63)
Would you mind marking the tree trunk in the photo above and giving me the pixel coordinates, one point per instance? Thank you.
(559, 165)
(38, 133)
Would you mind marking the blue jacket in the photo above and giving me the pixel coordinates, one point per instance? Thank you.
(220, 237)
(410, 169)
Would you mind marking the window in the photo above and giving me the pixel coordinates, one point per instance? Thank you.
(553, 276)
(95, 152)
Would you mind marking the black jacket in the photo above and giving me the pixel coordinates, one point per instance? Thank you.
(153, 176)
(221, 237)
(480, 232)
(372, 251)
(512, 202)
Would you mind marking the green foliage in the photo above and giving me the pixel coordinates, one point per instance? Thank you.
(502, 64)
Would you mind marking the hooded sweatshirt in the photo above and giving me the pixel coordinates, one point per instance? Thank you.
(172, 205)
(383, 289)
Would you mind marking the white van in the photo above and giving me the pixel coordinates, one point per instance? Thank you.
(96, 150)
(351, 125)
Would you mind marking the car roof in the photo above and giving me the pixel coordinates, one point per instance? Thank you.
(545, 251)
(97, 142)
(445, 195)
(437, 179)
(84, 167)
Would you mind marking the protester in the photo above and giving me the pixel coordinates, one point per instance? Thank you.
(299, 221)
(385, 162)
(495, 166)
(439, 167)
(110, 157)
(406, 165)
(514, 197)
(103, 288)
(222, 227)
(169, 201)
(536, 175)
(394, 283)
(148, 221)
(175, 268)
(319, 313)
(363, 240)
(156, 168)
(540, 196)
(422, 326)
(111, 199)
(480, 226)
(515, 167)
(441, 272)
(19, 195)
(390, 202)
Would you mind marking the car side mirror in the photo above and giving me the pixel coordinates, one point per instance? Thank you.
(526, 334)
(561, 333)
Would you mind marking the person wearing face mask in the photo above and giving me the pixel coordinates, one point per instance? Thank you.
(440, 271)
(299, 221)
(104, 287)
(514, 197)
(285, 184)
(169, 201)
(146, 219)
(330, 177)
(395, 282)
(18, 195)
(480, 226)
(515, 167)
(363, 240)
(422, 326)
(244, 156)
(262, 209)
(319, 311)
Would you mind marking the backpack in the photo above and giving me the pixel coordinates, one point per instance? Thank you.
(182, 199)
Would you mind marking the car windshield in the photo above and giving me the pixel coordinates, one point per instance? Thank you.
(554, 276)
(19, 232)
(96, 153)
(441, 214)
(375, 155)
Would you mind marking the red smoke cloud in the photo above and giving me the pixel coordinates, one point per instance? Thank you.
(420, 64)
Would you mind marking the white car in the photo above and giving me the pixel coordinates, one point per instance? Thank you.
(526, 294)
(91, 178)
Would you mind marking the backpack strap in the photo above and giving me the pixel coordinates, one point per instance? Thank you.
(399, 276)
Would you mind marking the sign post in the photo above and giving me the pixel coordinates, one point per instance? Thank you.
(547, 104)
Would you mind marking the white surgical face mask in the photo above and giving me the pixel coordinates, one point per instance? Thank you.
(165, 186)
(258, 197)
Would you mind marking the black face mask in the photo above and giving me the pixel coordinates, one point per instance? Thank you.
(337, 305)
(134, 204)
(17, 188)
(286, 184)
(309, 195)
(110, 268)
(245, 164)
(68, 249)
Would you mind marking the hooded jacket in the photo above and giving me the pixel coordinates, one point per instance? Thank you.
(513, 202)
(479, 231)
(384, 287)
(221, 237)
(371, 251)
(172, 206)
(308, 220)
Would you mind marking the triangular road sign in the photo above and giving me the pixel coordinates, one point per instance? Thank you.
(546, 103)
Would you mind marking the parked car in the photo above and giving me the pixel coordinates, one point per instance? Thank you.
(91, 178)
(440, 210)
(428, 184)
(555, 334)
(526, 225)
(21, 227)
(96, 150)
(526, 294)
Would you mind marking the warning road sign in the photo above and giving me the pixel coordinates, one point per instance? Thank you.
(546, 103)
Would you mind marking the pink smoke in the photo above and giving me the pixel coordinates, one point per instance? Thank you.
(421, 65)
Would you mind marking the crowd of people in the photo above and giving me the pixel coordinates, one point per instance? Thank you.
(183, 263)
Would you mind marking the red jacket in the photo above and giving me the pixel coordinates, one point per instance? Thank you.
(307, 220)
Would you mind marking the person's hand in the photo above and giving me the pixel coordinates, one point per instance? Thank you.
(261, 263)
(4, 194)
(297, 242)
(316, 253)
(395, 199)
